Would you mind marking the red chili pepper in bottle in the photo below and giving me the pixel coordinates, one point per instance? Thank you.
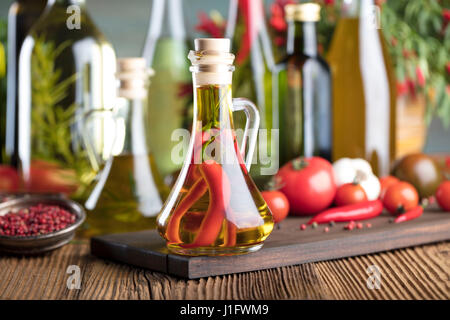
(219, 197)
(197, 190)
(410, 215)
(359, 211)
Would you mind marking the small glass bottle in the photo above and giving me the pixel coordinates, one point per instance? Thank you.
(305, 97)
(215, 207)
(129, 192)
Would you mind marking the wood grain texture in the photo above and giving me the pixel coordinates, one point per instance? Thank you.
(421, 272)
(287, 245)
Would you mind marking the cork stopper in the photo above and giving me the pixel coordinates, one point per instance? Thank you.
(133, 77)
(212, 62)
(306, 12)
(212, 44)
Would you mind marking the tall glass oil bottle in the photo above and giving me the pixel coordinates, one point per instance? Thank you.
(129, 192)
(253, 79)
(305, 93)
(169, 108)
(363, 107)
(66, 69)
(214, 207)
(21, 17)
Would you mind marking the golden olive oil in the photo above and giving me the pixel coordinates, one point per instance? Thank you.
(363, 95)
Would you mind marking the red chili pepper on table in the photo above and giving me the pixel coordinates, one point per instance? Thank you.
(359, 211)
(219, 197)
(410, 215)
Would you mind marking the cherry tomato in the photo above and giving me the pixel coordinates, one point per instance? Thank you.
(278, 204)
(350, 193)
(9, 179)
(443, 196)
(309, 185)
(386, 182)
(401, 197)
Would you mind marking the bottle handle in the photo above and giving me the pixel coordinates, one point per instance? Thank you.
(251, 127)
(97, 159)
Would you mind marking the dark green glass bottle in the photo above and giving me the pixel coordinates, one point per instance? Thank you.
(305, 89)
(21, 17)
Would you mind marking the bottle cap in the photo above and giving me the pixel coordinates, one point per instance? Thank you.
(306, 12)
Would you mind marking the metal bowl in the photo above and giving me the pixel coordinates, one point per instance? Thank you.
(45, 242)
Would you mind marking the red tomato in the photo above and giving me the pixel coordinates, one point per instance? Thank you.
(401, 197)
(349, 193)
(386, 182)
(278, 204)
(9, 179)
(309, 185)
(443, 195)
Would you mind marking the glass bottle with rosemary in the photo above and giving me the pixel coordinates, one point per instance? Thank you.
(66, 69)
(305, 96)
(129, 192)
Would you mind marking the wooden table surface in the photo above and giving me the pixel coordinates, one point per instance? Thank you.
(414, 273)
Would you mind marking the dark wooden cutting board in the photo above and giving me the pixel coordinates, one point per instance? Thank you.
(287, 245)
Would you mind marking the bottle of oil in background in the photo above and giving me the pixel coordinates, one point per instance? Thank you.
(305, 89)
(130, 191)
(363, 91)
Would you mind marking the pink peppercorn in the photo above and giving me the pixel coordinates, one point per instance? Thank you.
(326, 229)
(359, 225)
(350, 225)
(368, 225)
(39, 219)
(303, 227)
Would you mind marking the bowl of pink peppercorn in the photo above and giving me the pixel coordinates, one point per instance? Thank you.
(38, 223)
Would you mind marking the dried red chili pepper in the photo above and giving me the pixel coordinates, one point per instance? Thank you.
(359, 211)
(410, 215)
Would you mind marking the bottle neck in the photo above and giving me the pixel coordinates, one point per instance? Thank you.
(66, 2)
(302, 38)
(356, 8)
(135, 139)
(213, 105)
(166, 19)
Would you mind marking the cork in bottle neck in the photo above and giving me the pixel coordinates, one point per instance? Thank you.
(133, 76)
(212, 62)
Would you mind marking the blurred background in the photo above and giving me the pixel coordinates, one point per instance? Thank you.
(125, 25)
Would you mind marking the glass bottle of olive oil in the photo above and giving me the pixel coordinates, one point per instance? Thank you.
(66, 70)
(305, 97)
(130, 191)
(363, 107)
